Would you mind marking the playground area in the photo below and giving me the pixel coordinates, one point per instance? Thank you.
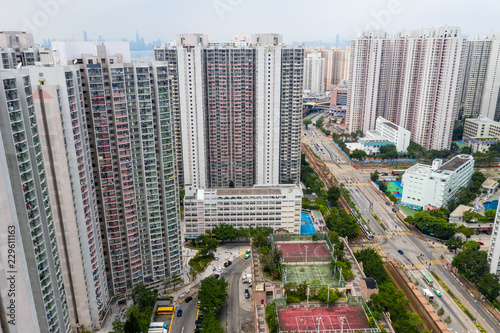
(323, 320)
(306, 225)
(297, 251)
(395, 188)
(309, 273)
(461, 144)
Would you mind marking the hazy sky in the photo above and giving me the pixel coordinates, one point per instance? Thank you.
(297, 20)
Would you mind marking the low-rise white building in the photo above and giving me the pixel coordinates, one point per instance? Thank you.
(481, 145)
(427, 186)
(259, 206)
(386, 133)
(481, 127)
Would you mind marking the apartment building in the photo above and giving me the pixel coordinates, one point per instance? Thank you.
(60, 112)
(490, 104)
(34, 295)
(18, 47)
(336, 66)
(314, 69)
(260, 206)
(132, 148)
(427, 187)
(398, 78)
(237, 110)
(480, 127)
(494, 249)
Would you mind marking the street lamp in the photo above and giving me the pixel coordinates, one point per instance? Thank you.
(477, 308)
(319, 321)
(342, 324)
(306, 253)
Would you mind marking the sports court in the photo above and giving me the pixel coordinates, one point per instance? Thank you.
(461, 144)
(330, 319)
(395, 188)
(296, 252)
(306, 225)
(309, 273)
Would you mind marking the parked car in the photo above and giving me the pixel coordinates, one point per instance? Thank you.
(387, 203)
(247, 294)
(217, 276)
(179, 313)
(394, 210)
(246, 256)
(227, 263)
(480, 243)
(401, 252)
(188, 299)
(438, 294)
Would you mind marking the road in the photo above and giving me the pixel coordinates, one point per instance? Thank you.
(417, 253)
(238, 310)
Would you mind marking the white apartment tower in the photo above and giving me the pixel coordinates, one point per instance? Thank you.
(33, 291)
(314, 69)
(60, 111)
(237, 110)
(494, 250)
(490, 105)
(412, 79)
(132, 149)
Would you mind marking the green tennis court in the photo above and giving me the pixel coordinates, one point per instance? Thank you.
(461, 144)
(301, 273)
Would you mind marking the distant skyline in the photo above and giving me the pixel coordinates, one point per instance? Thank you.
(299, 21)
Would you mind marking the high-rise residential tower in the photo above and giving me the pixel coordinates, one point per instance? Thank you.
(59, 105)
(413, 79)
(314, 69)
(131, 139)
(490, 104)
(336, 66)
(238, 111)
(33, 291)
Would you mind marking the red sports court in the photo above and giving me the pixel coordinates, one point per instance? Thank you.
(306, 319)
(318, 251)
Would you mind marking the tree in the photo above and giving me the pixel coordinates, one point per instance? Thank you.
(440, 312)
(319, 123)
(358, 154)
(447, 320)
(307, 122)
(374, 176)
(458, 130)
(212, 295)
(142, 297)
(465, 231)
(373, 266)
(471, 245)
(211, 324)
(333, 194)
(225, 232)
(327, 295)
(118, 327)
(339, 221)
(209, 248)
(434, 223)
(471, 264)
(132, 324)
(490, 214)
(388, 151)
(454, 243)
(415, 150)
(489, 286)
(272, 317)
(382, 186)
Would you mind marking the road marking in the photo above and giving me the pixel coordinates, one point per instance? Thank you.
(171, 320)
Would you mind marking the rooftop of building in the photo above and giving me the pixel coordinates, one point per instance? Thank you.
(482, 120)
(391, 125)
(485, 140)
(490, 183)
(460, 210)
(455, 163)
(421, 169)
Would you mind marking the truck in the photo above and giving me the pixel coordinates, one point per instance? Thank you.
(246, 278)
(428, 294)
(158, 327)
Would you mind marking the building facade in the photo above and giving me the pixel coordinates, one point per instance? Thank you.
(237, 110)
(260, 206)
(494, 249)
(394, 133)
(412, 79)
(490, 104)
(482, 145)
(314, 69)
(133, 154)
(60, 111)
(434, 186)
(32, 285)
(480, 128)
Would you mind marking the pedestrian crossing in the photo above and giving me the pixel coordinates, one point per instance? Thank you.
(394, 233)
(422, 266)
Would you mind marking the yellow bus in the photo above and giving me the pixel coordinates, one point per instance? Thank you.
(165, 310)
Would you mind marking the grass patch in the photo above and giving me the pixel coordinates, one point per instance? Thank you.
(199, 263)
